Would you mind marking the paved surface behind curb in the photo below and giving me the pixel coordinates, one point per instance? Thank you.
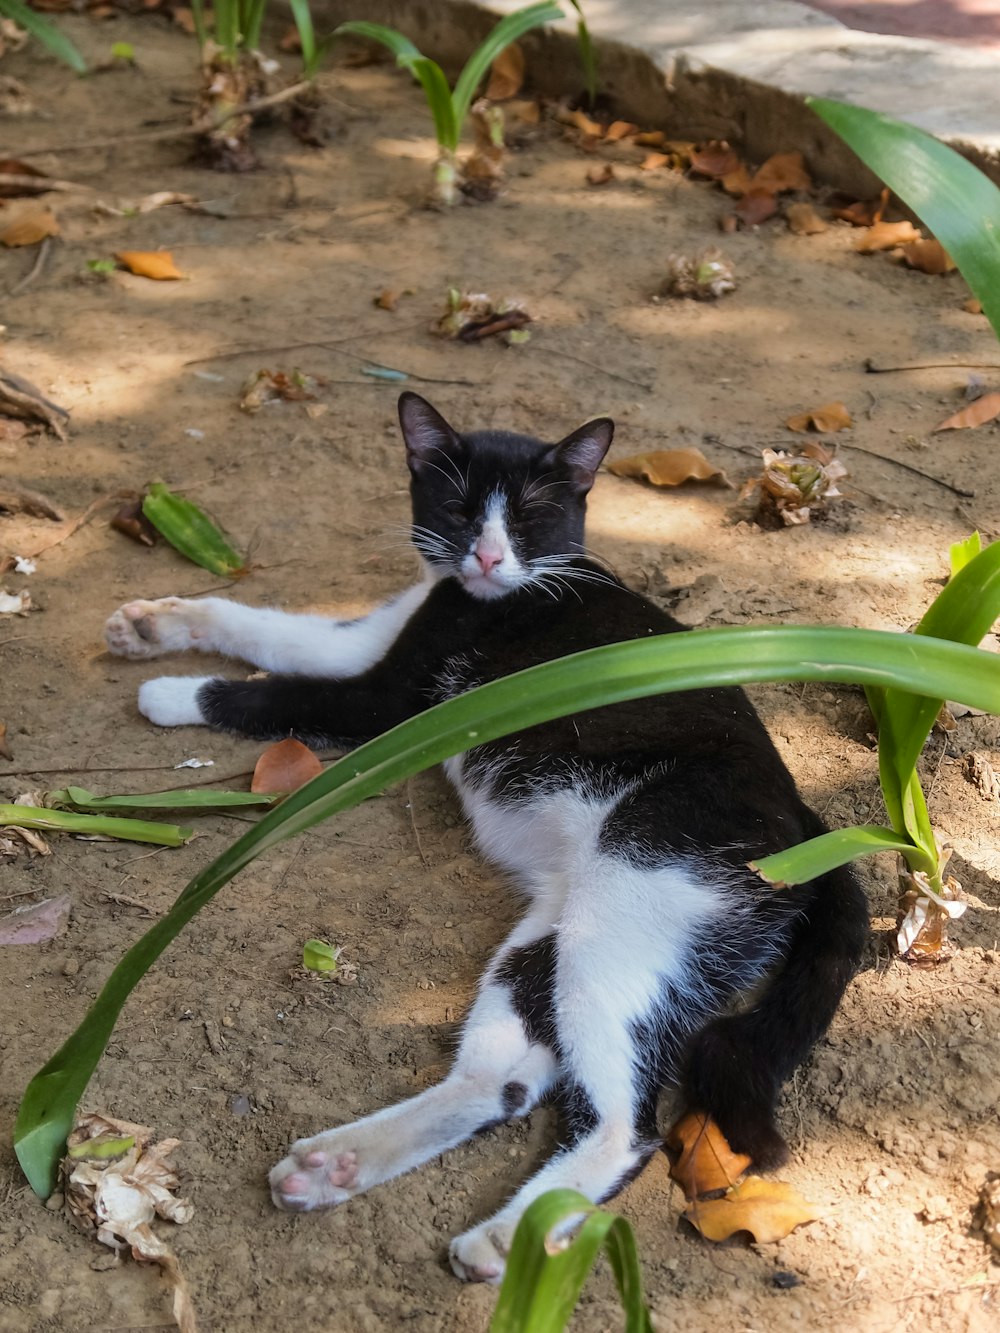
(729, 69)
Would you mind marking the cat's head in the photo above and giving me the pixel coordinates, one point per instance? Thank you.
(495, 510)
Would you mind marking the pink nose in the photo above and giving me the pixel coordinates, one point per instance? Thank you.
(487, 559)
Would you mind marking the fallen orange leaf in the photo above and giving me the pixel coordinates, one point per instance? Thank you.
(620, 129)
(387, 299)
(156, 264)
(886, 236)
(928, 257)
(506, 74)
(705, 1162)
(973, 306)
(284, 767)
(865, 212)
(581, 121)
(651, 139)
(653, 160)
(783, 171)
(978, 413)
(769, 1209)
(716, 159)
(756, 206)
(803, 220)
(32, 223)
(826, 419)
(669, 467)
(736, 182)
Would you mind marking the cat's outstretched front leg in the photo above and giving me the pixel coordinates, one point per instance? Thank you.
(274, 640)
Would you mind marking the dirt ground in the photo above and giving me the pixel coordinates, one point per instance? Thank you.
(893, 1121)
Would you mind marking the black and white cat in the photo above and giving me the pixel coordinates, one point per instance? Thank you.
(628, 830)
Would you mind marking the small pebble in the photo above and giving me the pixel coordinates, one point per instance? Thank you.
(240, 1104)
(55, 1202)
(784, 1280)
(71, 967)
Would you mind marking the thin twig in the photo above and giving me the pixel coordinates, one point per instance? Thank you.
(76, 524)
(413, 824)
(37, 184)
(36, 268)
(593, 365)
(908, 467)
(872, 369)
(382, 332)
(177, 131)
(125, 901)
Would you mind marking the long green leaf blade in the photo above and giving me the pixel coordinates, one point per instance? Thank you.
(200, 798)
(959, 204)
(51, 37)
(65, 821)
(508, 30)
(189, 530)
(302, 14)
(734, 655)
(430, 75)
(807, 860)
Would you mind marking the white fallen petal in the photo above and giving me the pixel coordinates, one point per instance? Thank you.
(22, 565)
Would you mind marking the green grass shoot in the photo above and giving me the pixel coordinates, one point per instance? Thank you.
(588, 58)
(44, 31)
(105, 826)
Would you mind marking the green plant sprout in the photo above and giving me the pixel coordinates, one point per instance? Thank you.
(588, 58)
(964, 612)
(450, 108)
(556, 1244)
(735, 655)
(954, 199)
(232, 75)
(44, 31)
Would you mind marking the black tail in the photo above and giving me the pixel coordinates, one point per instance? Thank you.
(738, 1063)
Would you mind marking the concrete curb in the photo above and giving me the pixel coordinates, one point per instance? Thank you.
(730, 70)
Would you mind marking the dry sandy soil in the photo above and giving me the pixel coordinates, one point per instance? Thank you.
(893, 1120)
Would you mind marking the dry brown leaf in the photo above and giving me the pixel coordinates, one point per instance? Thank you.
(669, 467)
(769, 1209)
(705, 1161)
(826, 419)
(156, 264)
(886, 236)
(864, 212)
(387, 299)
(5, 752)
(285, 767)
(131, 521)
(506, 74)
(736, 182)
(652, 161)
(651, 139)
(592, 129)
(291, 40)
(32, 224)
(973, 306)
(11, 166)
(528, 111)
(803, 220)
(929, 257)
(184, 18)
(756, 206)
(978, 413)
(601, 175)
(277, 386)
(782, 172)
(620, 129)
(715, 159)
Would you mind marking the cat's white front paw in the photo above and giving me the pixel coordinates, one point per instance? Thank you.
(318, 1173)
(149, 629)
(171, 701)
(480, 1255)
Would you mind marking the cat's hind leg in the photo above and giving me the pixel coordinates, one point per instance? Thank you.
(623, 996)
(499, 1073)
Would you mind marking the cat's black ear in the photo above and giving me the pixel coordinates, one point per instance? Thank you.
(584, 450)
(425, 431)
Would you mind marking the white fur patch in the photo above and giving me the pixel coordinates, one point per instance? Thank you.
(170, 701)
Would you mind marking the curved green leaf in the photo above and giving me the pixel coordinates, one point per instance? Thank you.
(735, 655)
(189, 530)
(101, 826)
(198, 798)
(799, 864)
(544, 1278)
(959, 204)
(51, 37)
(446, 127)
(508, 30)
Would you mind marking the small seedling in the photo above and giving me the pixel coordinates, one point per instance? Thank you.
(587, 57)
(450, 107)
(964, 611)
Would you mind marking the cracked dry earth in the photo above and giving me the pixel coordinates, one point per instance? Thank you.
(225, 1045)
